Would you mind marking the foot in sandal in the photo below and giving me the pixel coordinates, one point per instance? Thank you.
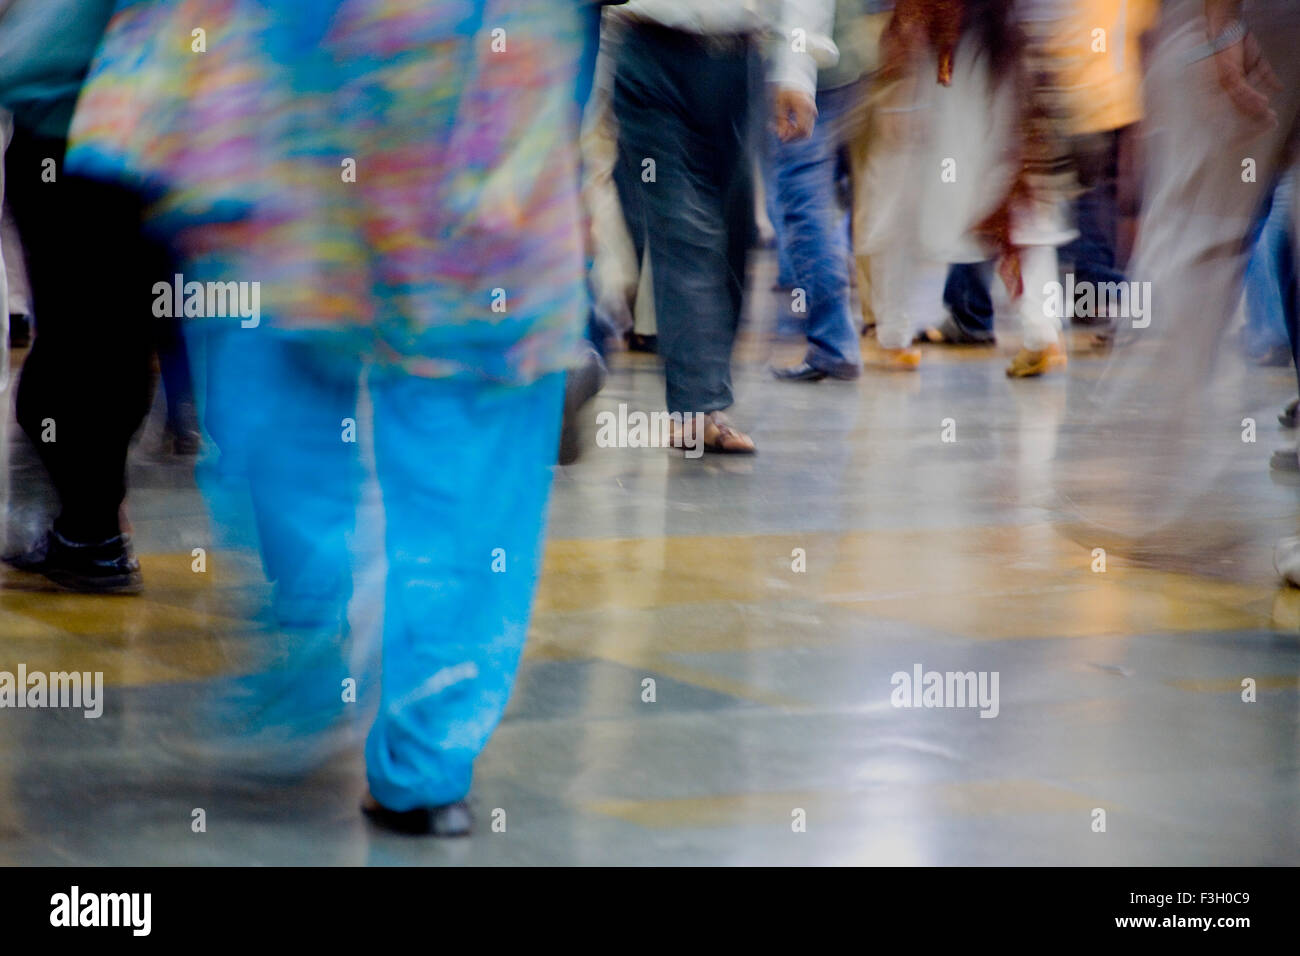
(1028, 364)
(720, 436)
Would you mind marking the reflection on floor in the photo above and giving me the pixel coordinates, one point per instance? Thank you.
(771, 736)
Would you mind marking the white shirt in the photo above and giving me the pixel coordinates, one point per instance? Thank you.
(798, 56)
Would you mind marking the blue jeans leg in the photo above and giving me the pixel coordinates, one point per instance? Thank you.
(1096, 210)
(465, 471)
(1268, 290)
(772, 197)
(812, 224)
(966, 294)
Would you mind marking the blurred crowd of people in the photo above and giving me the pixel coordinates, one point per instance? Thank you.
(454, 212)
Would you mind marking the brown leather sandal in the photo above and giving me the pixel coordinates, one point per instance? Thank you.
(721, 439)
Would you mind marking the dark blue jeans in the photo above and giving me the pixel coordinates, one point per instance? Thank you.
(812, 233)
(966, 294)
(684, 179)
(1096, 210)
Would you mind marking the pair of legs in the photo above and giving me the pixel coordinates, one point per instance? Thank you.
(87, 383)
(1091, 254)
(464, 468)
(683, 106)
(811, 232)
(943, 168)
(905, 304)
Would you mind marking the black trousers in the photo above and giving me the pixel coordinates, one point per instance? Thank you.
(87, 383)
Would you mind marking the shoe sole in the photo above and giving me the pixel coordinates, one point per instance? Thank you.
(122, 584)
(821, 376)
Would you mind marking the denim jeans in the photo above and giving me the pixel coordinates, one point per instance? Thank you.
(966, 294)
(1270, 276)
(812, 232)
(684, 179)
(1096, 210)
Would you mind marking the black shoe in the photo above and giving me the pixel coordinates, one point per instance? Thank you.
(950, 332)
(20, 331)
(448, 820)
(803, 372)
(104, 567)
(1290, 414)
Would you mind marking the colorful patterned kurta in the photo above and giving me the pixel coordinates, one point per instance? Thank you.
(457, 250)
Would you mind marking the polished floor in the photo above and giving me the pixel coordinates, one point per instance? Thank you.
(1119, 691)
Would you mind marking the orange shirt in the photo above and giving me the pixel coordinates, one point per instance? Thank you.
(1100, 61)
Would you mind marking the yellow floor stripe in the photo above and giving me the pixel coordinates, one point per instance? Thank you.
(981, 798)
(602, 599)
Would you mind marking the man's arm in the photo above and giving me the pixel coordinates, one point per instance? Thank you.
(1243, 72)
(805, 45)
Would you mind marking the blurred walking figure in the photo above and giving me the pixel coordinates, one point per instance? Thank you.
(1093, 48)
(1222, 102)
(686, 90)
(400, 180)
(969, 171)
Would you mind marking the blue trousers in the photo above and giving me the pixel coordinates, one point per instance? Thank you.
(1270, 276)
(1096, 210)
(464, 468)
(967, 296)
(812, 233)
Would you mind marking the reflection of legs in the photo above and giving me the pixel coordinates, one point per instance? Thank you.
(465, 473)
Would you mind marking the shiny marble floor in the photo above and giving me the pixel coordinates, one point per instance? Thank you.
(1118, 691)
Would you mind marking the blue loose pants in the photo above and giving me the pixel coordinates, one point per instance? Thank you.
(464, 469)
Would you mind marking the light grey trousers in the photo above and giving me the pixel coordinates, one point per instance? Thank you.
(1170, 419)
